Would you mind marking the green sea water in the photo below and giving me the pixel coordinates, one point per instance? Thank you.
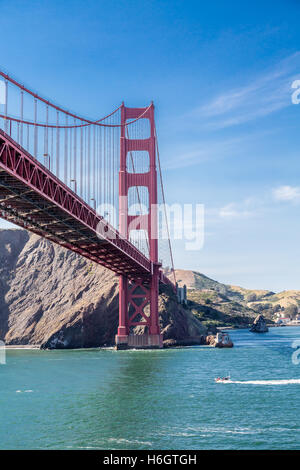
(167, 399)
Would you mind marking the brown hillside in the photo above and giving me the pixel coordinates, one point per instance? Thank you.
(52, 297)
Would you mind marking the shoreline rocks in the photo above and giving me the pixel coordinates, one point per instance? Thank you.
(196, 341)
(221, 340)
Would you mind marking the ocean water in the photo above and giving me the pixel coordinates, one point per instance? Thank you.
(104, 399)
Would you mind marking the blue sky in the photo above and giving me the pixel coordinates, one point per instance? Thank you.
(220, 74)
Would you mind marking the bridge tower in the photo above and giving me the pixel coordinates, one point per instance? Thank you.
(135, 294)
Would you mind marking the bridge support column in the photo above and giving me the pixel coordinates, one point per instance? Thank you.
(122, 336)
(133, 298)
(136, 296)
(154, 330)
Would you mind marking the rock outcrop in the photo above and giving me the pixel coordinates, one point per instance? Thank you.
(210, 340)
(259, 325)
(221, 340)
(53, 298)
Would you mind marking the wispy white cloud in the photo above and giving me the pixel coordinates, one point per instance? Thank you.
(234, 211)
(211, 150)
(248, 208)
(266, 94)
(287, 193)
(201, 152)
(256, 206)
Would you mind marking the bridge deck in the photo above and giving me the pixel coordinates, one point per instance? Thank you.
(33, 198)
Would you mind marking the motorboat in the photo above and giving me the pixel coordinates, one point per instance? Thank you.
(222, 379)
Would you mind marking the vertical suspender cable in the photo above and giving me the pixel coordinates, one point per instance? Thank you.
(66, 153)
(52, 149)
(113, 166)
(71, 157)
(97, 165)
(109, 163)
(75, 155)
(89, 166)
(28, 137)
(21, 116)
(164, 203)
(6, 106)
(104, 166)
(46, 153)
(81, 161)
(94, 166)
(35, 129)
(100, 166)
(57, 144)
(85, 163)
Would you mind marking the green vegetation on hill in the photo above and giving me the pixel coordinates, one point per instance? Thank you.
(217, 310)
(218, 304)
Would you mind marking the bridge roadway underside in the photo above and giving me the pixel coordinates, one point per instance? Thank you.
(25, 208)
(24, 205)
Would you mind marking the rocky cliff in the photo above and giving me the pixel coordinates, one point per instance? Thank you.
(52, 297)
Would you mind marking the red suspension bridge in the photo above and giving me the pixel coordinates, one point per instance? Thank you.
(93, 187)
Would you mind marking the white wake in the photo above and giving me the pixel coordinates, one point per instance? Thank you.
(263, 382)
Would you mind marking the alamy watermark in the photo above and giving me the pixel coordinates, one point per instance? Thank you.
(176, 221)
(2, 92)
(296, 354)
(2, 353)
(296, 93)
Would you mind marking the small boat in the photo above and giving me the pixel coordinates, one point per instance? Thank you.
(222, 379)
